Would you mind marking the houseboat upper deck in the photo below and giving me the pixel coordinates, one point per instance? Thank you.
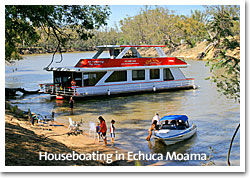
(125, 71)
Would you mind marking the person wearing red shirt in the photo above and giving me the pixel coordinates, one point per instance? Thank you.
(73, 83)
(103, 129)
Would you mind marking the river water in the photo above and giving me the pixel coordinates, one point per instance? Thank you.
(215, 116)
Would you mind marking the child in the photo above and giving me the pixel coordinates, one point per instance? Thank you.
(97, 131)
(112, 130)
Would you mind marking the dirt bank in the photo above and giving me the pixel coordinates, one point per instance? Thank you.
(185, 52)
(23, 142)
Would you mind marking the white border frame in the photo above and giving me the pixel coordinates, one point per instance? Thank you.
(240, 168)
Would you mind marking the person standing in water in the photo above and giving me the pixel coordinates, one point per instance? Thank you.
(98, 131)
(157, 119)
(151, 129)
(103, 129)
(112, 130)
(71, 103)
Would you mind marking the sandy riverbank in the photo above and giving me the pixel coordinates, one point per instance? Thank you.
(23, 142)
(185, 52)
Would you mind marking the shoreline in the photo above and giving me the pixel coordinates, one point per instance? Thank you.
(24, 142)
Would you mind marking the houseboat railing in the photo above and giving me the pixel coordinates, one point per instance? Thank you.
(116, 88)
(50, 88)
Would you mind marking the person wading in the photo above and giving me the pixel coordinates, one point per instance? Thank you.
(71, 103)
(103, 129)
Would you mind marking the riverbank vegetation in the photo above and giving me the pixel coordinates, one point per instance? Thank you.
(25, 25)
(82, 28)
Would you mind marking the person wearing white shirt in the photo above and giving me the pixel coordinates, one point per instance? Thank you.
(157, 118)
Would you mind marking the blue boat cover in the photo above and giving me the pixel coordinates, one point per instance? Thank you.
(174, 117)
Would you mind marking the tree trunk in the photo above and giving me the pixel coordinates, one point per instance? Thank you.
(229, 150)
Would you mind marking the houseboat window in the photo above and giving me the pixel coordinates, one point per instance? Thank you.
(138, 75)
(91, 78)
(154, 73)
(167, 75)
(78, 78)
(117, 52)
(58, 80)
(63, 78)
(117, 76)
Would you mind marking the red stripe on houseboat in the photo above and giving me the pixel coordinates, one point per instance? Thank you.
(129, 62)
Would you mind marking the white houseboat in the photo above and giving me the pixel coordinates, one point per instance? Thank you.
(125, 71)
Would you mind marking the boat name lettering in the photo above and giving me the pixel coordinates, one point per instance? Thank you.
(99, 62)
(152, 61)
(130, 61)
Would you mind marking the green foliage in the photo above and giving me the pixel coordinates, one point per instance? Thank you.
(192, 29)
(226, 69)
(14, 109)
(23, 22)
(7, 106)
(161, 26)
(150, 26)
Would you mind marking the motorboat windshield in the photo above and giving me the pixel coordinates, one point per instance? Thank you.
(174, 122)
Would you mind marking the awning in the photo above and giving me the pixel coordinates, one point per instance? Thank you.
(174, 117)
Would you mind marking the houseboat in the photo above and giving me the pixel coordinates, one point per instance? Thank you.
(125, 71)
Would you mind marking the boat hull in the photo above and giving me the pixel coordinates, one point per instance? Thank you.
(121, 89)
(135, 87)
(174, 136)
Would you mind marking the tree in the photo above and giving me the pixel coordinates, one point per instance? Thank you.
(161, 26)
(224, 41)
(22, 23)
(192, 29)
(223, 37)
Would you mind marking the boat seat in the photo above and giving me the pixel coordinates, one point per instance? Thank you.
(171, 127)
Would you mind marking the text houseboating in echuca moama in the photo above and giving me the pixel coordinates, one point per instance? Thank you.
(125, 71)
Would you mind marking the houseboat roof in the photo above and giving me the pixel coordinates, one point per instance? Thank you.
(123, 59)
(99, 69)
(104, 64)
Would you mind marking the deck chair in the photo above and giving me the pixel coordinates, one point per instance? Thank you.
(43, 121)
(72, 125)
(92, 129)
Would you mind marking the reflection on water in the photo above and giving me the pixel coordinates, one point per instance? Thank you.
(215, 116)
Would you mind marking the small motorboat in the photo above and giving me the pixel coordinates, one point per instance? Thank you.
(174, 128)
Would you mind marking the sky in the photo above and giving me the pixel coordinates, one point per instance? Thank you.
(119, 12)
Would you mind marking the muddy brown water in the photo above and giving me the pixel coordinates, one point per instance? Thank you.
(215, 116)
